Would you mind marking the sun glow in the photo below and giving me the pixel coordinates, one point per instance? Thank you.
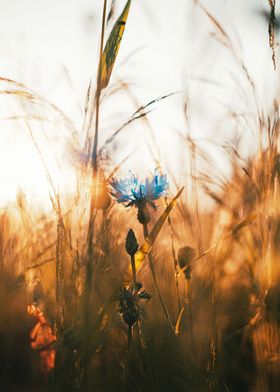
(24, 168)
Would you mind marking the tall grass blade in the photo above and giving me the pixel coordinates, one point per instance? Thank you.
(146, 247)
(271, 30)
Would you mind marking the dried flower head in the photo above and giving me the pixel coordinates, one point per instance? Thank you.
(129, 304)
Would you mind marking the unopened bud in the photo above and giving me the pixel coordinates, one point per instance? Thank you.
(131, 244)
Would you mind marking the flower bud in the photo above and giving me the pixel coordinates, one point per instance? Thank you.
(131, 244)
(143, 214)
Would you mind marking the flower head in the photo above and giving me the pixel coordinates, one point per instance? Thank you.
(130, 304)
(134, 192)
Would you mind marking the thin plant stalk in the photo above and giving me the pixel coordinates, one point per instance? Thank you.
(175, 261)
(212, 365)
(95, 143)
(190, 312)
(193, 173)
(134, 279)
(130, 327)
(89, 269)
(139, 322)
(129, 351)
(151, 265)
(60, 269)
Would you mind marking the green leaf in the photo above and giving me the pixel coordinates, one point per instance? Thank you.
(111, 49)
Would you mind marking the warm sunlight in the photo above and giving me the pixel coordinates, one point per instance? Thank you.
(140, 196)
(23, 168)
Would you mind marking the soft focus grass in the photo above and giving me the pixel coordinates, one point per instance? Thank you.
(228, 331)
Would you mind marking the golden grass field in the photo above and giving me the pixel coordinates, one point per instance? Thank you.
(189, 300)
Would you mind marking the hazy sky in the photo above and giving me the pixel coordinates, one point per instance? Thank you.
(51, 46)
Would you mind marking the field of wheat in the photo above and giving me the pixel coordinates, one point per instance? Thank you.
(124, 278)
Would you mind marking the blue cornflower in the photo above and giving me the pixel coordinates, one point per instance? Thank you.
(133, 192)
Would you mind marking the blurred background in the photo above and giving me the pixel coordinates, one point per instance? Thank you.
(52, 48)
(202, 74)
